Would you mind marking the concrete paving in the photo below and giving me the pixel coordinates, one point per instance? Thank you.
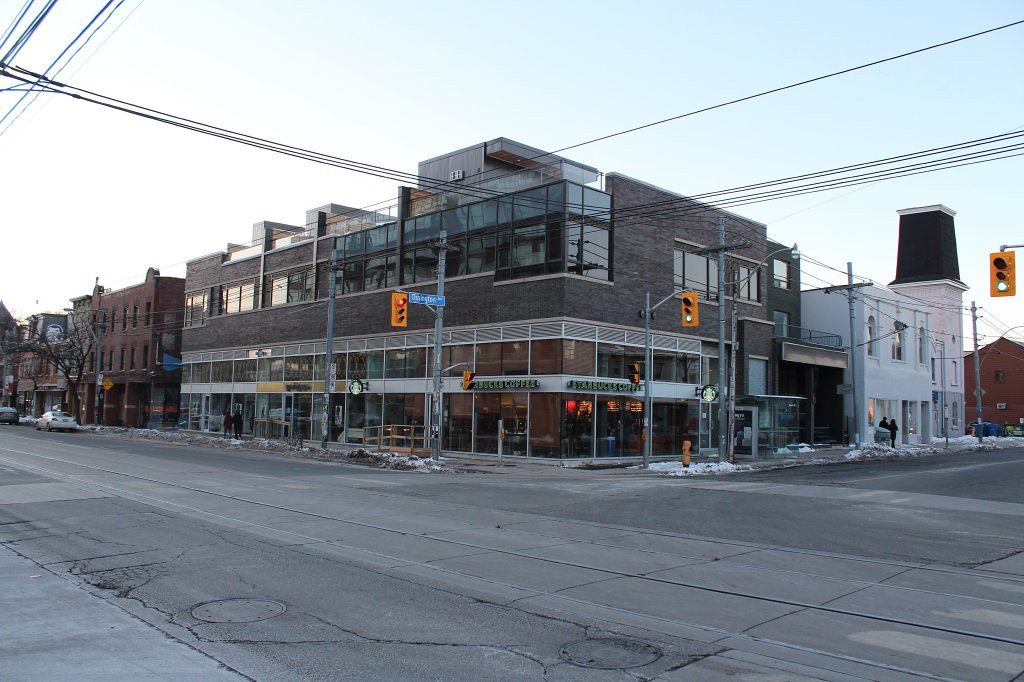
(54, 630)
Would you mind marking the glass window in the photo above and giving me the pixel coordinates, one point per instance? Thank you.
(757, 379)
(545, 421)
(688, 369)
(458, 429)
(748, 283)
(871, 335)
(195, 309)
(922, 346)
(480, 255)
(515, 356)
(270, 369)
(200, 372)
(546, 356)
(897, 340)
(298, 368)
(953, 381)
(780, 273)
(530, 204)
(503, 255)
(488, 412)
(781, 320)
(365, 365)
(528, 250)
(578, 357)
(483, 214)
(352, 280)
(426, 265)
(428, 228)
(245, 370)
(455, 259)
(376, 274)
(504, 210)
(355, 244)
(455, 221)
(611, 361)
(573, 198)
(556, 198)
(692, 271)
(221, 372)
(488, 359)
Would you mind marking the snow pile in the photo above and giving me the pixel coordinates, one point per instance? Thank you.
(381, 460)
(696, 468)
(970, 443)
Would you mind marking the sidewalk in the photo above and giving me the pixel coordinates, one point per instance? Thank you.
(54, 630)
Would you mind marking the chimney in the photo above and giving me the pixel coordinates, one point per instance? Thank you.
(927, 246)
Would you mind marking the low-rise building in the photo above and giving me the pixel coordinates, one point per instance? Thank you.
(547, 265)
(1002, 383)
(140, 354)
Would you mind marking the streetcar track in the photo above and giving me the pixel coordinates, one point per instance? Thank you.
(806, 606)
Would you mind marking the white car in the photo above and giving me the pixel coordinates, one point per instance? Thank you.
(60, 421)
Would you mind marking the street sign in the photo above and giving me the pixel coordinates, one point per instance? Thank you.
(99, 378)
(426, 299)
(107, 385)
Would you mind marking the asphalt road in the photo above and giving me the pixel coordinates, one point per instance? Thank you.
(882, 570)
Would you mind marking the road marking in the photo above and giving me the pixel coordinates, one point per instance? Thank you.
(943, 650)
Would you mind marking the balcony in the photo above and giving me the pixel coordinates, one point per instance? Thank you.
(811, 347)
(804, 335)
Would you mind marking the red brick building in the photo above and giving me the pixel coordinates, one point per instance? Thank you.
(141, 353)
(1002, 380)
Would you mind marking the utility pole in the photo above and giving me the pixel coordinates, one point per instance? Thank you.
(977, 371)
(98, 402)
(647, 312)
(435, 421)
(5, 398)
(329, 376)
(855, 431)
(722, 420)
(850, 289)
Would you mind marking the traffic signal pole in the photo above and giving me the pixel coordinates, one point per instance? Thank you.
(647, 312)
(98, 401)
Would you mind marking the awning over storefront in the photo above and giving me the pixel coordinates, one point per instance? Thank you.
(813, 355)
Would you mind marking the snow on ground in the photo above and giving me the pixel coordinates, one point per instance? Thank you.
(696, 468)
(960, 444)
(381, 460)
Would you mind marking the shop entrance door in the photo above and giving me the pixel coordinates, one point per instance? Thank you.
(204, 424)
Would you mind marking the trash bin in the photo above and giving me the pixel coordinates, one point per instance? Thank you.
(882, 435)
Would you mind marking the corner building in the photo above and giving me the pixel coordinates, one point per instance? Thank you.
(547, 266)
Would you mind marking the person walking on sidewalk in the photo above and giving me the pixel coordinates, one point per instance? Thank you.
(227, 424)
(237, 421)
(892, 431)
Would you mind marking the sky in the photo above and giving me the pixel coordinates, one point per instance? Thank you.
(90, 193)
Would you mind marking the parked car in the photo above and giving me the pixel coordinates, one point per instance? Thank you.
(54, 420)
(8, 415)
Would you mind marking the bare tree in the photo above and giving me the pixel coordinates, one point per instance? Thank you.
(69, 352)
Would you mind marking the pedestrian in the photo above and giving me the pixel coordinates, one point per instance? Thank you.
(237, 421)
(884, 424)
(893, 429)
(227, 424)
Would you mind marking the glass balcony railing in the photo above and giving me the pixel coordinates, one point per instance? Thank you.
(793, 333)
(503, 182)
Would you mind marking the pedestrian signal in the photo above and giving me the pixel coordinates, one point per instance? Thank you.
(468, 380)
(689, 300)
(1002, 274)
(634, 373)
(399, 309)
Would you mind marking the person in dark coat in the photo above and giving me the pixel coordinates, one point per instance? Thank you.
(227, 424)
(892, 431)
(884, 424)
(237, 422)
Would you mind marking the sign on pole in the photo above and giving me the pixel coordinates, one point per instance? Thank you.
(426, 299)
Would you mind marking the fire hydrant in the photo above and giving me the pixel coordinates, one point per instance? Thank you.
(686, 452)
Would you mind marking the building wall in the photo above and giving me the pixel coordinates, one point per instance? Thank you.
(1005, 389)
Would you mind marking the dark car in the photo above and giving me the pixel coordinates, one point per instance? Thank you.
(8, 415)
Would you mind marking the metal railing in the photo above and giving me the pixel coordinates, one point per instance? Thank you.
(805, 335)
(405, 438)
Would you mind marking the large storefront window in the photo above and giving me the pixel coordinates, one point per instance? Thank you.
(364, 412)
(458, 422)
(619, 426)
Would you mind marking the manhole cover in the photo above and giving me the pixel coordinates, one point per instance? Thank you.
(237, 610)
(610, 653)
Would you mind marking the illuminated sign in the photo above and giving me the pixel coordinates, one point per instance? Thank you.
(590, 385)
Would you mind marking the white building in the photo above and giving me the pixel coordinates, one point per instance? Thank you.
(908, 338)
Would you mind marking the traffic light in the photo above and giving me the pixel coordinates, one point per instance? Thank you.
(634, 373)
(468, 378)
(399, 309)
(689, 299)
(1002, 274)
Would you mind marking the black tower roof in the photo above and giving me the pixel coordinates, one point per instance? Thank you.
(927, 246)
